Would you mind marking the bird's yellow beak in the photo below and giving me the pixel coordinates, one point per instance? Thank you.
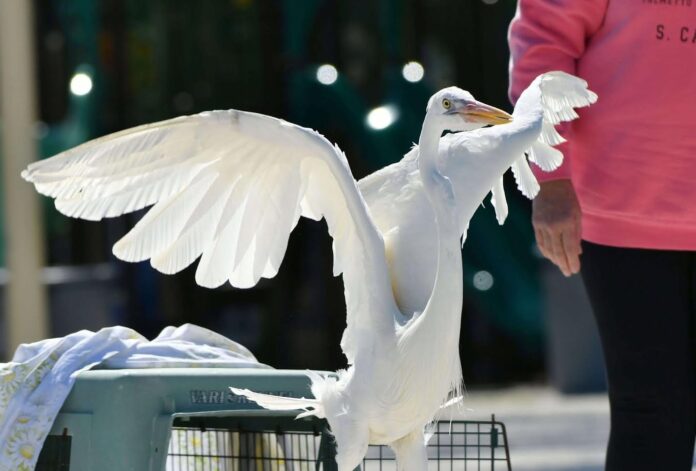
(485, 114)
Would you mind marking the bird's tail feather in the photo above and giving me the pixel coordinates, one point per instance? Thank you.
(271, 402)
(309, 406)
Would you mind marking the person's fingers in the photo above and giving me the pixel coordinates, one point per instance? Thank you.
(571, 247)
(549, 245)
(541, 242)
(559, 252)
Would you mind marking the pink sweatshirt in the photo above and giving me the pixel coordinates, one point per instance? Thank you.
(632, 155)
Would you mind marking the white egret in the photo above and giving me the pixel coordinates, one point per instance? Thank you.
(230, 186)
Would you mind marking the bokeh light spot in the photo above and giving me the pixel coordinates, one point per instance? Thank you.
(483, 280)
(382, 117)
(80, 84)
(413, 72)
(327, 74)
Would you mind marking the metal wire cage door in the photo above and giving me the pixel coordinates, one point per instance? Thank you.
(282, 444)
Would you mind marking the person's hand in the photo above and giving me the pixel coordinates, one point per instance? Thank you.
(556, 221)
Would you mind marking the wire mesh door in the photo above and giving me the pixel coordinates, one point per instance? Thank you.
(454, 446)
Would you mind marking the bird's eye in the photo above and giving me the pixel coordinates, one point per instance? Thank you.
(446, 104)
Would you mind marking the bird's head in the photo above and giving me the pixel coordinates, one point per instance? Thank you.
(454, 109)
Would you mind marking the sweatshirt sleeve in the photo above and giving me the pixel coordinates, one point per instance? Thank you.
(548, 35)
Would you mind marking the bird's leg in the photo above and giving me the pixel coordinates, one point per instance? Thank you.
(410, 451)
(352, 440)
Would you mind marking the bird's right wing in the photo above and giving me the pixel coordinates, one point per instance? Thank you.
(548, 101)
(228, 186)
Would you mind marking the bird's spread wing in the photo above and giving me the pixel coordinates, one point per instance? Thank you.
(229, 187)
(548, 101)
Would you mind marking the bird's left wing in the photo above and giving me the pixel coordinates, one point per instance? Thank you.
(487, 153)
(228, 186)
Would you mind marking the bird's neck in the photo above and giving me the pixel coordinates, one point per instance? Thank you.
(429, 343)
(443, 309)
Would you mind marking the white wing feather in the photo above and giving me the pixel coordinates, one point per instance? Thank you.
(526, 181)
(499, 202)
(228, 187)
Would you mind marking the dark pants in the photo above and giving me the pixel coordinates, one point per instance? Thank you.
(645, 305)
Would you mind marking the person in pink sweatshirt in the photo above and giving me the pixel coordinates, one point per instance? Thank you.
(624, 203)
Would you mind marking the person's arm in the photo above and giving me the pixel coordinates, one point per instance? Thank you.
(548, 35)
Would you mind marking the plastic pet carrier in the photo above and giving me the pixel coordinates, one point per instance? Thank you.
(186, 419)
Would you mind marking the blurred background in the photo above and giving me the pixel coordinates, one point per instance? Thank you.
(360, 73)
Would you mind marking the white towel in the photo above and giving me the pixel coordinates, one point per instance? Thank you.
(34, 385)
